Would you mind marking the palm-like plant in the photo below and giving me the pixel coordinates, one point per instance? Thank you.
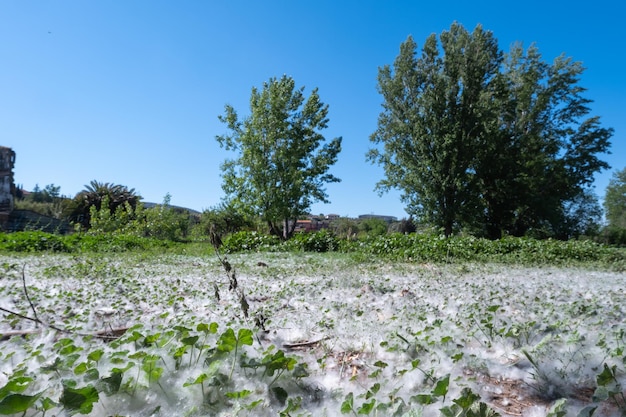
(94, 194)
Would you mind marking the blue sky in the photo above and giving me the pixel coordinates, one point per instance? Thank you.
(129, 92)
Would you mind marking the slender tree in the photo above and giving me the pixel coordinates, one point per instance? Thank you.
(282, 161)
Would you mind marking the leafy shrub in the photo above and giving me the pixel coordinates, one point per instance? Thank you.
(33, 241)
(435, 248)
(612, 235)
(249, 241)
(112, 242)
(36, 241)
(320, 241)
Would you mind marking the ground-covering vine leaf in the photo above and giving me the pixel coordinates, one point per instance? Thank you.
(16, 385)
(558, 409)
(466, 399)
(245, 337)
(207, 328)
(110, 384)
(280, 394)
(441, 388)
(17, 403)
(238, 395)
(366, 407)
(300, 370)
(190, 341)
(95, 355)
(348, 404)
(278, 362)
(227, 341)
(79, 400)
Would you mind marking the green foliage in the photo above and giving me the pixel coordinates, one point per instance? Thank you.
(394, 246)
(372, 227)
(249, 241)
(165, 222)
(34, 241)
(226, 219)
(483, 141)
(282, 163)
(160, 222)
(121, 220)
(615, 208)
(94, 194)
(344, 227)
(320, 241)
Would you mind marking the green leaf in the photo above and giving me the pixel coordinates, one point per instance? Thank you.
(423, 399)
(17, 403)
(558, 409)
(467, 399)
(587, 411)
(227, 341)
(280, 394)
(238, 395)
(380, 364)
(15, 385)
(92, 374)
(493, 308)
(95, 355)
(81, 368)
(366, 408)
(79, 400)
(190, 341)
(441, 389)
(207, 328)
(300, 371)
(245, 337)
(451, 411)
(607, 376)
(110, 384)
(47, 404)
(348, 404)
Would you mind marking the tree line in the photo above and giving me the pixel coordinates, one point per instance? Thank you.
(478, 141)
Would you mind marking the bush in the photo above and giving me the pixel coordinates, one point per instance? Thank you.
(36, 241)
(249, 241)
(612, 235)
(33, 241)
(320, 241)
(113, 242)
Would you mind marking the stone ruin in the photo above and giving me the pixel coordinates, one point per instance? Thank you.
(7, 187)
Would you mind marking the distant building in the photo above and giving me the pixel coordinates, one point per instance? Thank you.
(388, 219)
(7, 187)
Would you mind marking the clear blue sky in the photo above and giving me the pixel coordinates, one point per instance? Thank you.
(129, 92)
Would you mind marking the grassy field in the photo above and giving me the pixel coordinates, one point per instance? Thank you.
(149, 334)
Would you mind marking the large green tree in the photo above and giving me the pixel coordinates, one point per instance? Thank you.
(486, 141)
(282, 159)
(432, 122)
(615, 200)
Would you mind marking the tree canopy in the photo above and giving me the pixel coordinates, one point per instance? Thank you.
(282, 159)
(484, 141)
(615, 200)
